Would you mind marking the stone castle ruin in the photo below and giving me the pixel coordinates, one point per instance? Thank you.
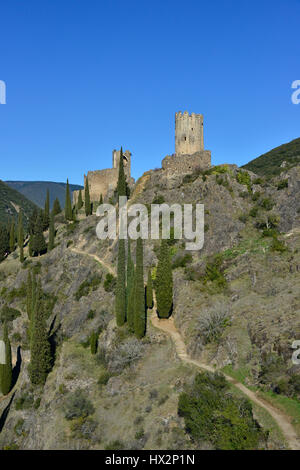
(105, 181)
(189, 146)
(189, 155)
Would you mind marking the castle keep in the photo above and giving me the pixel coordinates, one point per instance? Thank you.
(189, 146)
(189, 156)
(105, 181)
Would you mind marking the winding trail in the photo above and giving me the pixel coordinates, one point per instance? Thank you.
(168, 327)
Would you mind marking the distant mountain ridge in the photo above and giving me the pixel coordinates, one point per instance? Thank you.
(36, 191)
(272, 163)
(11, 201)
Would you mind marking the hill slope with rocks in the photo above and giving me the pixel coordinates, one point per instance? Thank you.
(36, 191)
(236, 306)
(11, 201)
(279, 159)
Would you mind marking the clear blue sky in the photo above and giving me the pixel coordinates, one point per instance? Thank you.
(86, 76)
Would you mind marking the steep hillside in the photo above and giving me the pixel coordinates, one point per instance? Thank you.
(10, 203)
(36, 191)
(236, 306)
(272, 163)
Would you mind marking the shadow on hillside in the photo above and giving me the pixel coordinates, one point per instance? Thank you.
(4, 415)
(17, 369)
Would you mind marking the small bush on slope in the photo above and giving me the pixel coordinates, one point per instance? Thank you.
(212, 414)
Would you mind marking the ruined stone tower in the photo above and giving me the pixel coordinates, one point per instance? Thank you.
(126, 161)
(189, 146)
(188, 133)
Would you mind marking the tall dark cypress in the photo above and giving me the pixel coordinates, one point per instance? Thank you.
(12, 237)
(139, 298)
(164, 282)
(101, 200)
(29, 295)
(51, 233)
(40, 362)
(21, 236)
(56, 207)
(79, 201)
(46, 215)
(121, 285)
(68, 205)
(39, 245)
(4, 241)
(6, 369)
(87, 200)
(149, 291)
(130, 289)
(121, 187)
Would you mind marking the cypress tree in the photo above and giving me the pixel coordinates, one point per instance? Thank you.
(139, 297)
(4, 242)
(79, 202)
(6, 369)
(56, 207)
(87, 200)
(21, 236)
(149, 290)
(40, 362)
(101, 200)
(39, 244)
(121, 285)
(46, 214)
(121, 187)
(130, 289)
(94, 342)
(29, 295)
(30, 244)
(51, 233)
(164, 282)
(12, 237)
(68, 205)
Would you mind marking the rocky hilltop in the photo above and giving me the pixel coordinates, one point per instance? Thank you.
(236, 306)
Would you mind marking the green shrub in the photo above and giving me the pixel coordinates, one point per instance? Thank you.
(110, 283)
(88, 286)
(77, 405)
(24, 402)
(104, 378)
(212, 414)
(266, 203)
(244, 178)
(213, 271)
(158, 199)
(278, 245)
(283, 184)
(69, 243)
(91, 314)
(181, 260)
(9, 314)
(254, 211)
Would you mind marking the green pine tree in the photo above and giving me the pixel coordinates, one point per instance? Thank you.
(87, 200)
(6, 369)
(121, 187)
(130, 289)
(46, 214)
(12, 237)
(30, 244)
(68, 205)
(51, 233)
(94, 342)
(121, 285)
(80, 201)
(164, 282)
(56, 207)
(39, 245)
(149, 290)
(139, 294)
(4, 242)
(29, 295)
(21, 236)
(40, 362)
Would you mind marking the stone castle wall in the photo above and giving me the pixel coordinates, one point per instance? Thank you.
(188, 133)
(183, 164)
